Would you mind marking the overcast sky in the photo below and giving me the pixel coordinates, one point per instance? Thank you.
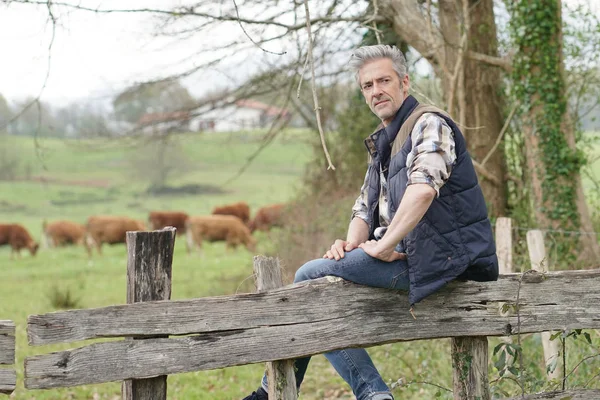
(92, 55)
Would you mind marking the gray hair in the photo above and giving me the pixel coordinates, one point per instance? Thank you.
(365, 54)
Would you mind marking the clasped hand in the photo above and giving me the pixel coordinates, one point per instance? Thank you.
(371, 247)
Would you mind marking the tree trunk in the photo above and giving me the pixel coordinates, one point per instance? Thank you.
(553, 163)
(589, 249)
(477, 91)
(474, 94)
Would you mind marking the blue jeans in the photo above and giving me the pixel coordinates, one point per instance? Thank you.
(354, 365)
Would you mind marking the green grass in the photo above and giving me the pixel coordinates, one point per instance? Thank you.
(28, 285)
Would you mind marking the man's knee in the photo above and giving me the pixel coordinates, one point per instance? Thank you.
(310, 270)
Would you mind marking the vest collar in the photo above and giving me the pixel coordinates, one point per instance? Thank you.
(379, 143)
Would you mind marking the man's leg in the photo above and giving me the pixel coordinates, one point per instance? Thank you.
(354, 365)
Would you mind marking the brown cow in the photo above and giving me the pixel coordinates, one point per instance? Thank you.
(240, 210)
(160, 219)
(109, 229)
(18, 238)
(215, 228)
(267, 217)
(61, 233)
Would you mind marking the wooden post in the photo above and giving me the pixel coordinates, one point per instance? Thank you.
(282, 380)
(539, 262)
(504, 244)
(149, 262)
(8, 377)
(470, 368)
(504, 250)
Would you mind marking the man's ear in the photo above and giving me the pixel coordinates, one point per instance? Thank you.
(406, 83)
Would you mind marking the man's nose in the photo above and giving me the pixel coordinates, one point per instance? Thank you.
(377, 89)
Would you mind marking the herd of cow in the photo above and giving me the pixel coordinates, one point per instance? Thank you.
(230, 223)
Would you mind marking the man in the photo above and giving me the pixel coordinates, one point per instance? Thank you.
(420, 220)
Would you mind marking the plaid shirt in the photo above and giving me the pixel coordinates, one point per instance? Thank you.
(430, 161)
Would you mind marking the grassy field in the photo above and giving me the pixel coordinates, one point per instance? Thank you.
(80, 182)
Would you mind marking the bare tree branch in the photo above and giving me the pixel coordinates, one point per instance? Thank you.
(500, 135)
(313, 84)
(237, 14)
(191, 11)
(504, 63)
(486, 174)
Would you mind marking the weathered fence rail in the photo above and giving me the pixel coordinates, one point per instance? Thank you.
(562, 395)
(8, 377)
(279, 324)
(298, 320)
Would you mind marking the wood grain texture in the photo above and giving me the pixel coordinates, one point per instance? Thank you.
(504, 244)
(149, 271)
(280, 374)
(539, 262)
(7, 342)
(315, 317)
(557, 300)
(560, 395)
(470, 368)
(8, 381)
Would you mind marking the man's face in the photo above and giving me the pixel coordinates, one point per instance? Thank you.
(383, 90)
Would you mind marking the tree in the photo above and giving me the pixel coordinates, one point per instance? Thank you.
(82, 120)
(35, 120)
(163, 96)
(553, 161)
(463, 50)
(5, 113)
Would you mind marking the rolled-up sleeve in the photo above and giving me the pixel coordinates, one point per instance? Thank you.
(433, 152)
(360, 208)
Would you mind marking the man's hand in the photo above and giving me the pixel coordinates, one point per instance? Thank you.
(375, 250)
(338, 248)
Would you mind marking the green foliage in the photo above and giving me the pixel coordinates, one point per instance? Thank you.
(63, 298)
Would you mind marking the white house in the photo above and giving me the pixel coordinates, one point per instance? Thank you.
(235, 116)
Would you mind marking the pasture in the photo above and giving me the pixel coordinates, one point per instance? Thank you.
(80, 182)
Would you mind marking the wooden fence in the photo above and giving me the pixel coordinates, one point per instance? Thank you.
(294, 321)
(8, 377)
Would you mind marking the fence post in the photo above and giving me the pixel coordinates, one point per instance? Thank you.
(8, 377)
(539, 262)
(470, 368)
(504, 250)
(282, 381)
(149, 262)
(504, 244)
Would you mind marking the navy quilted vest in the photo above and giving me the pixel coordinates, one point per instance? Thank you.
(454, 239)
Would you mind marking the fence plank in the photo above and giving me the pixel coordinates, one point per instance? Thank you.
(282, 381)
(297, 304)
(7, 342)
(8, 380)
(539, 262)
(560, 395)
(149, 261)
(295, 321)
